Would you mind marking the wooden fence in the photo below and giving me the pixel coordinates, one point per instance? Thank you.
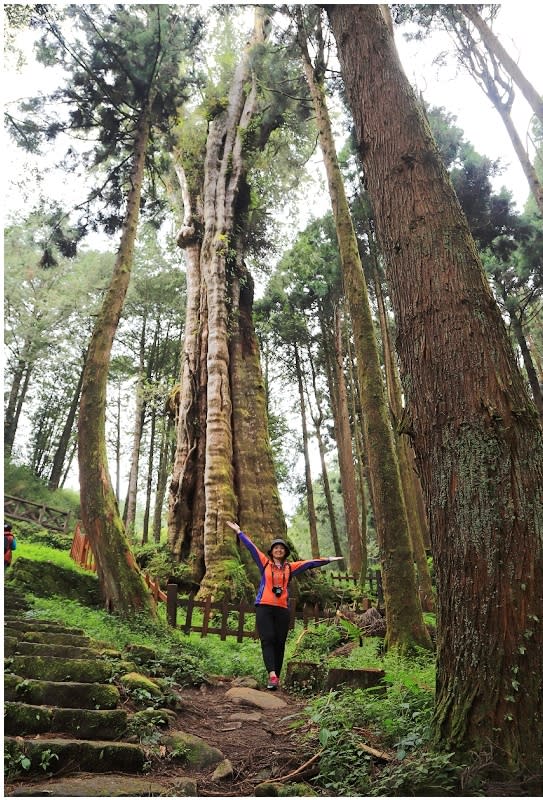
(52, 518)
(373, 578)
(225, 619)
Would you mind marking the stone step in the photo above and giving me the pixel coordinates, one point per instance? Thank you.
(66, 695)
(18, 624)
(13, 647)
(77, 670)
(74, 755)
(111, 785)
(49, 637)
(21, 719)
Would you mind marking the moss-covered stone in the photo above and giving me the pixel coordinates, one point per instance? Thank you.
(58, 651)
(270, 789)
(42, 626)
(59, 754)
(45, 579)
(62, 669)
(21, 719)
(49, 637)
(133, 681)
(192, 750)
(66, 695)
(140, 654)
(90, 724)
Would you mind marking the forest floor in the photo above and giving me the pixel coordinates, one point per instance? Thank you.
(261, 744)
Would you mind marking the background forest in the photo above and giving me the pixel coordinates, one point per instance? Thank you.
(233, 291)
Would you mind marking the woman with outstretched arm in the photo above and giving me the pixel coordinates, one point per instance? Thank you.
(272, 613)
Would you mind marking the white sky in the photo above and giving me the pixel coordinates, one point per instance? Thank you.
(518, 26)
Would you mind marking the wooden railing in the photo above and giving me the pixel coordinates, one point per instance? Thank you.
(25, 510)
(226, 619)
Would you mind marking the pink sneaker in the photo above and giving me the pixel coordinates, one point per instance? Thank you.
(273, 683)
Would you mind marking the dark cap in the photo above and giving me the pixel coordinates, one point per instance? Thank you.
(7, 526)
(279, 541)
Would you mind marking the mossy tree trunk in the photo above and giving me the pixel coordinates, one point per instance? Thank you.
(476, 432)
(357, 546)
(412, 491)
(122, 585)
(405, 625)
(311, 513)
(223, 466)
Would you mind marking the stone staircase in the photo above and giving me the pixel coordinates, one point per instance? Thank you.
(64, 713)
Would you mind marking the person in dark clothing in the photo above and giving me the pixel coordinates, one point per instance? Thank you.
(10, 544)
(272, 612)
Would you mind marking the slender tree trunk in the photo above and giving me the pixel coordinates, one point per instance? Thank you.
(345, 458)
(477, 435)
(129, 513)
(167, 448)
(405, 625)
(317, 423)
(528, 168)
(121, 582)
(62, 447)
(311, 515)
(529, 366)
(17, 396)
(149, 482)
(494, 46)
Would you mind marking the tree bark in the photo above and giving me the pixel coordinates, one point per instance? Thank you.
(129, 513)
(476, 432)
(346, 461)
(209, 485)
(311, 515)
(317, 422)
(405, 625)
(64, 441)
(122, 585)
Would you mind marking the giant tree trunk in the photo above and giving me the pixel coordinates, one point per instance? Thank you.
(476, 432)
(412, 491)
(121, 582)
(209, 483)
(405, 625)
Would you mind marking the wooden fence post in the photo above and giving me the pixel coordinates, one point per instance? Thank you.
(171, 604)
(207, 614)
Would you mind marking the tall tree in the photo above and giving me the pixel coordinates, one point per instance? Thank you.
(405, 626)
(223, 466)
(476, 432)
(125, 81)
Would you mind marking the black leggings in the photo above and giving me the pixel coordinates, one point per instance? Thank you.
(272, 624)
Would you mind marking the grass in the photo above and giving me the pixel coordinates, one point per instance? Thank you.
(399, 720)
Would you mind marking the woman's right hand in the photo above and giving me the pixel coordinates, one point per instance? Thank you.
(234, 525)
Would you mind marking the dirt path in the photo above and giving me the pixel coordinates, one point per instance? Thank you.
(262, 744)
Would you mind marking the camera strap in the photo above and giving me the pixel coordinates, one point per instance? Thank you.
(284, 578)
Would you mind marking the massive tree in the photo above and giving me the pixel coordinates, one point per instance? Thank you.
(223, 466)
(475, 430)
(405, 626)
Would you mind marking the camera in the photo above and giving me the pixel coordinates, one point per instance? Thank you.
(277, 590)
